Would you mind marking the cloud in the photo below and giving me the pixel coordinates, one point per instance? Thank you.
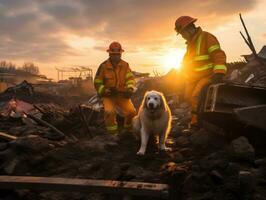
(126, 19)
(33, 29)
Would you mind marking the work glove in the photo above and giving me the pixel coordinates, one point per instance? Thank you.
(110, 92)
(107, 92)
(217, 78)
(128, 93)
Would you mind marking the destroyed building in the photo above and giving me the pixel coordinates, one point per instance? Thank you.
(48, 135)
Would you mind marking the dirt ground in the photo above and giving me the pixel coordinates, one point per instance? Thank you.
(203, 164)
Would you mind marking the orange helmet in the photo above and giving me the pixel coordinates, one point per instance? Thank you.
(182, 22)
(115, 47)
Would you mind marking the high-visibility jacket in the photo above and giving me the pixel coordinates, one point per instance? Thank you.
(119, 77)
(204, 56)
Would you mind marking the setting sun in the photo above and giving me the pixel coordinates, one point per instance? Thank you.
(172, 59)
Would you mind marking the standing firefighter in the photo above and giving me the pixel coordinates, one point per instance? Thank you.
(204, 62)
(114, 83)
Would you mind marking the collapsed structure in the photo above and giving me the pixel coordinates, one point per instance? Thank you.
(48, 135)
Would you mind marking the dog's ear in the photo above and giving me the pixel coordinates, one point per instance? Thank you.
(145, 102)
(162, 101)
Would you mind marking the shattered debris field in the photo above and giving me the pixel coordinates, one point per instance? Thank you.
(42, 137)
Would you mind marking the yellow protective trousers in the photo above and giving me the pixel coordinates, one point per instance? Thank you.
(192, 95)
(120, 105)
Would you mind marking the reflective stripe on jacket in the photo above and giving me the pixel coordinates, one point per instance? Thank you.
(204, 56)
(120, 77)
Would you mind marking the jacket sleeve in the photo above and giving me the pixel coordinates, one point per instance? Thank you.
(217, 55)
(129, 79)
(99, 80)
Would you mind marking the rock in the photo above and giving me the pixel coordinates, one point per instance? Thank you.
(173, 172)
(134, 171)
(232, 169)
(177, 156)
(247, 184)
(51, 135)
(114, 172)
(196, 182)
(17, 130)
(241, 149)
(11, 166)
(30, 144)
(216, 176)
(3, 146)
(260, 162)
(176, 130)
(125, 166)
(262, 182)
(198, 175)
(137, 173)
(200, 138)
(206, 139)
(182, 141)
(101, 142)
(186, 152)
(181, 112)
(214, 161)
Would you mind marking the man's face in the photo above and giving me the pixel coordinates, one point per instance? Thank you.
(188, 33)
(185, 34)
(115, 57)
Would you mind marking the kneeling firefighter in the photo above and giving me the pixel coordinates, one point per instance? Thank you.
(114, 83)
(204, 62)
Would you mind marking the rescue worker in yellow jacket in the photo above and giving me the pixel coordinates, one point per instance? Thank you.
(114, 83)
(204, 62)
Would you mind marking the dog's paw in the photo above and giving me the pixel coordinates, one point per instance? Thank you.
(140, 153)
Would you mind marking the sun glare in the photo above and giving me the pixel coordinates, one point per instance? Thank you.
(172, 59)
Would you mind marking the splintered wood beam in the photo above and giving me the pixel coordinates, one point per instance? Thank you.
(250, 43)
(85, 185)
(7, 137)
(46, 124)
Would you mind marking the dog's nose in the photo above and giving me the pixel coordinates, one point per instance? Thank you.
(151, 105)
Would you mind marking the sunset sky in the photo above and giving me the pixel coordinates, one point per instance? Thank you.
(58, 33)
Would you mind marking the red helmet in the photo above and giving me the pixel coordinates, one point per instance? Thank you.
(182, 22)
(115, 47)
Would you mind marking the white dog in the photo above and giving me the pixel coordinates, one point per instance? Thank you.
(154, 117)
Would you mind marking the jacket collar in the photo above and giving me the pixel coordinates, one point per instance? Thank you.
(109, 64)
(196, 35)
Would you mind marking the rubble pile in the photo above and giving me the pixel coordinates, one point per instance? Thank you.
(25, 92)
(42, 135)
(252, 71)
(201, 164)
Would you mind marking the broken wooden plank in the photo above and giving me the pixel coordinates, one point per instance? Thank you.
(85, 185)
(44, 123)
(7, 137)
(84, 120)
(248, 40)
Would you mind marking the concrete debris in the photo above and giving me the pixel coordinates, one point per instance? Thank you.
(241, 149)
(205, 164)
(251, 72)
